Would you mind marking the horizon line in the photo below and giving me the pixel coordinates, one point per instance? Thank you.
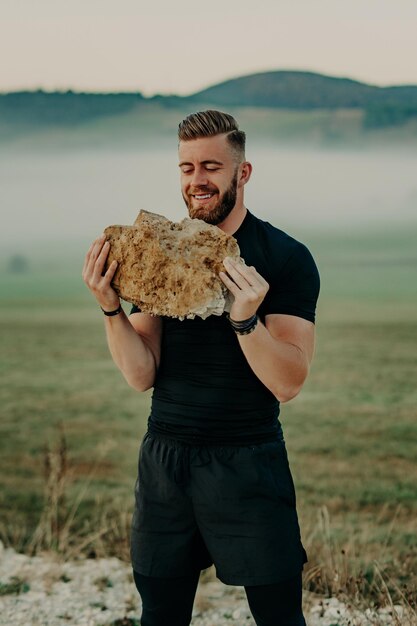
(132, 91)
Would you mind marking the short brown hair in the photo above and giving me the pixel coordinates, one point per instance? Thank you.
(210, 123)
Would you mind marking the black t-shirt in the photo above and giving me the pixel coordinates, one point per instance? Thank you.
(204, 391)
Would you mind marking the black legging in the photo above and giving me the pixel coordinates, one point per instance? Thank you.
(169, 601)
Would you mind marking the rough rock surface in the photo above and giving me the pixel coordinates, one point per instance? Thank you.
(169, 268)
(45, 591)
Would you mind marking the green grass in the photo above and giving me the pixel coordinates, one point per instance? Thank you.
(350, 434)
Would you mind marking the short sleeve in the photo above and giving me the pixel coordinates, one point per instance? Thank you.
(295, 288)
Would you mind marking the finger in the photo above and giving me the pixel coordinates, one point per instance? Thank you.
(90, 248)
(240, 279)
(240, 268)
(100, 261)
(97, 243)
(248, 272)
(258, 277)
(255, 275)
(87, 256)
(95, 252)
(108, 276)
(232, 287)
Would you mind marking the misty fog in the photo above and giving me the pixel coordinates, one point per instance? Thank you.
(53, 197)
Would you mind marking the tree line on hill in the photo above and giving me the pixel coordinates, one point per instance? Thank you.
(63, 107)
(382, 106)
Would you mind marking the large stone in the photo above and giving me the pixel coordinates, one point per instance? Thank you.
(169, 268)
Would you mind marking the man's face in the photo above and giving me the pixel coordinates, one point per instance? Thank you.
(209, 178)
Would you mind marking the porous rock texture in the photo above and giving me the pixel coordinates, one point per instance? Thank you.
(169, 268)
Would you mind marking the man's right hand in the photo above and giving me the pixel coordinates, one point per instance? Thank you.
(99, 285)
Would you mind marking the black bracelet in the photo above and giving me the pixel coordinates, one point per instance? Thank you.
(244, 327)
(111, 313)
(241, 323)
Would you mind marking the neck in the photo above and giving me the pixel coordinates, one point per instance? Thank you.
(234, 219)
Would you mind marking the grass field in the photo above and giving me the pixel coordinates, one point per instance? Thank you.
(350, 434)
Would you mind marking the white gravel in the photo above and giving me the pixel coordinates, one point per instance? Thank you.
(44, 591)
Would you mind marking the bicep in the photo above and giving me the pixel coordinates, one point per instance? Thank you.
(149, 327)
(293, 330)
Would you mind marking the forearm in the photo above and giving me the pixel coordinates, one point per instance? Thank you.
(129, 348)
(282, 367)
(130, 352)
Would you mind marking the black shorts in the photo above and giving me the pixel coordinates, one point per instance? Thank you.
(231, 506)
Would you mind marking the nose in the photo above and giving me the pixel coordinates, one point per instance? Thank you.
(199, 177)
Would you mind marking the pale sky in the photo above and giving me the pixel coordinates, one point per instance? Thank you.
(181, 46)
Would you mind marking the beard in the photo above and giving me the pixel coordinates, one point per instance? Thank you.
(220, 211)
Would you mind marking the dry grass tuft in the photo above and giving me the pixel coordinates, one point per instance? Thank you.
(350, 573)
(56, 530)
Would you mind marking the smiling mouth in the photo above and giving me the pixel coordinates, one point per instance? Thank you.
(202, 196)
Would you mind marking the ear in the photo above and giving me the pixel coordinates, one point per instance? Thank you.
(245, 171)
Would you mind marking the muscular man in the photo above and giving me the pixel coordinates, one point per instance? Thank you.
(214, 485)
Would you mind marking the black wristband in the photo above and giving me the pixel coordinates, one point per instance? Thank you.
(241, 323)
(111, 313)
(244, 327)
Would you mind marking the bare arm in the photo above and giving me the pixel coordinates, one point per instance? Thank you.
(280, 352)
(134, 342)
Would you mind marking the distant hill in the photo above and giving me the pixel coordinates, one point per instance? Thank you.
(303, 90)
(382, 107)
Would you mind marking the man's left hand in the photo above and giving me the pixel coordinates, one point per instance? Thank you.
(247, 286)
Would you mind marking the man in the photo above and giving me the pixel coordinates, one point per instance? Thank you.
(214, 485)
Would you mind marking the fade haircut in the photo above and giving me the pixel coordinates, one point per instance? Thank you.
(210, 123)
